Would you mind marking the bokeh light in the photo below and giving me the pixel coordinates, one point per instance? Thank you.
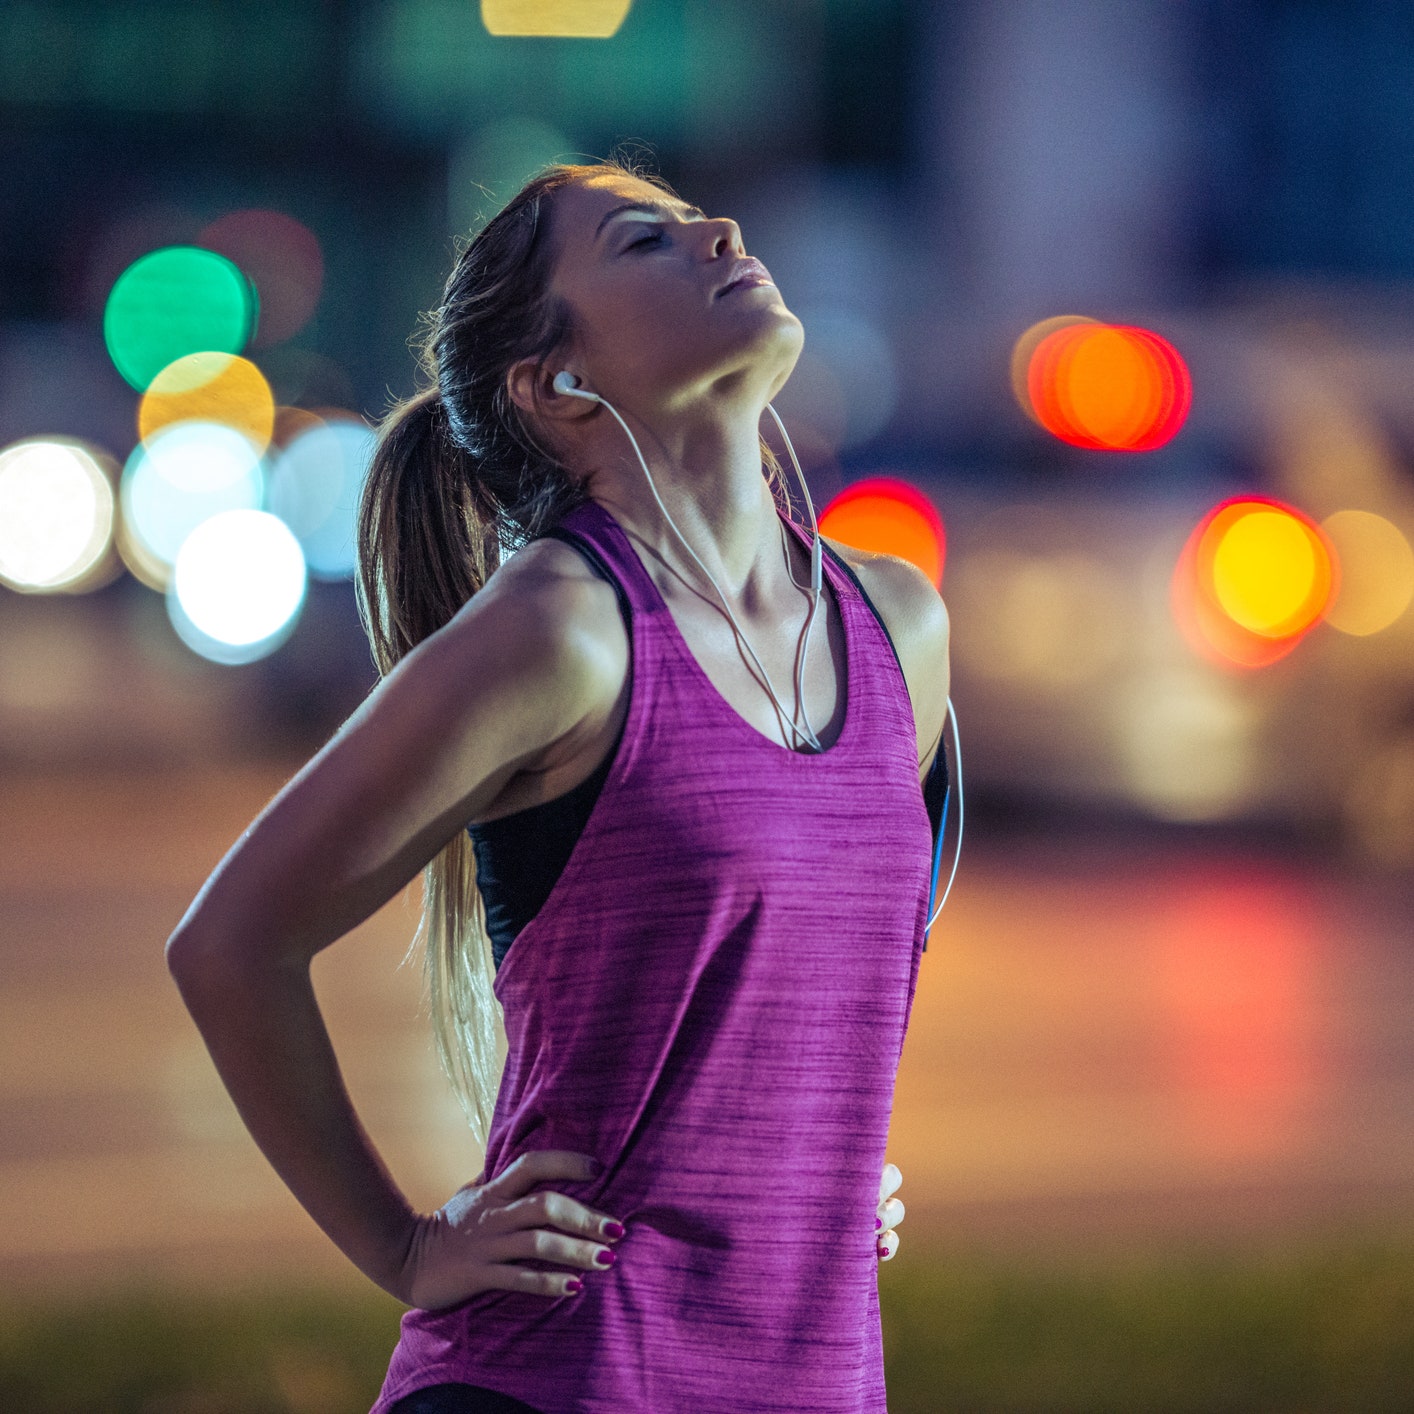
(888, 516)
(237, 586)
(56, 515)
(183, 475)
(283, 259)
(1023, 350)
(210, 387)
(1376, 572)
(1252, 580)
(1187, 740)
(172, 302)
(567, 19)
(290, 422)
(1270, 571)
(1109, 387)
(314, 487)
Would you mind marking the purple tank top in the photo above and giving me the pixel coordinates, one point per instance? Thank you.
(688, 1007)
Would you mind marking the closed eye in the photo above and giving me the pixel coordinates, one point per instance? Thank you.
(643, 240)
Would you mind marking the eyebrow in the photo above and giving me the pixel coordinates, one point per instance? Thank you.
(655, 208)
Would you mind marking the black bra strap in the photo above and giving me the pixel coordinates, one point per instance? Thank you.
(571, 537)
(849, 570)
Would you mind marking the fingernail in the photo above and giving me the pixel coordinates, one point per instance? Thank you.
(878, 1223)
(611, 1229)
(605, 1258)
(574, 1284)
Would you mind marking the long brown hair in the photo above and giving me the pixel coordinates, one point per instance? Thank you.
(457, 482)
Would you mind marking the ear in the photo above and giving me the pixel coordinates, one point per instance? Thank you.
(528, 381)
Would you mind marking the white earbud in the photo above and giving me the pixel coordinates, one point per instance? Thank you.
(566, 382)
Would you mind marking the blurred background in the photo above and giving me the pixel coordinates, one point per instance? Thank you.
(1109, 313)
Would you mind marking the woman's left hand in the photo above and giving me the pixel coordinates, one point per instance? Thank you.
(889, 1213)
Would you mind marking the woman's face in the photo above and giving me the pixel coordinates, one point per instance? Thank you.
(644, 273)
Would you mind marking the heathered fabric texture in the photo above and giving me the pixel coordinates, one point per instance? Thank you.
(688, 1007)
(520, 856)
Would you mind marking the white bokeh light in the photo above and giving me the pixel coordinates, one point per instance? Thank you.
(237, 587)
(56, 514)
(181, 476)
(314, 487)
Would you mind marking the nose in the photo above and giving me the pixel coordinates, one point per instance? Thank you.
(723, 235)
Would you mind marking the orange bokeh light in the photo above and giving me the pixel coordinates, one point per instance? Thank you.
(1253, 579)
(1112, 387)
(888, 516)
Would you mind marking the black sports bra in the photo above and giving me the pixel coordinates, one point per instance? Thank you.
(520, 856)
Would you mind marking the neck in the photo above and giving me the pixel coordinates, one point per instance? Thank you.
(706, 467)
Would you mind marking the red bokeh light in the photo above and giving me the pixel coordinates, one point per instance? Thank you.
(888, 516)
(1112, 387)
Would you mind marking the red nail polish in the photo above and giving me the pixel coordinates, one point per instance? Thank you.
(878, 1223)
(574, 1284)
(613, 1229)
(605, 1259)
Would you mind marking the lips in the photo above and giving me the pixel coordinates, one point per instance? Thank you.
(749, 271)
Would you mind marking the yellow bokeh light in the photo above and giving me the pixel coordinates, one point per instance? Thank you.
(1265, 571)
(566, 19)
(1376, 572)
(210, 387)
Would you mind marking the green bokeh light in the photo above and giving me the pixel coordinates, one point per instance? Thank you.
(172, 302)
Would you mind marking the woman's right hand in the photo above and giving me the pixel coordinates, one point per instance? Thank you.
(470, 1243)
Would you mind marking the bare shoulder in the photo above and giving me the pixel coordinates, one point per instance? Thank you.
(917, 620)
(903, 594)
(549, 591)
(548, 620)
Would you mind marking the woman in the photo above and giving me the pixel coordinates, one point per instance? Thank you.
(717, 909)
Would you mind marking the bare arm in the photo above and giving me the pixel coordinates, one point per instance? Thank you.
(429, 748)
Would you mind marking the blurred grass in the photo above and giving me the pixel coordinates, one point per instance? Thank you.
(1321, 1324)
(1312, 1327)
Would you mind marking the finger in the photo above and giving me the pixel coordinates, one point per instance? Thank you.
(887, 1245)
(551, 1209)
(891, 1214)
(537, 1166)
(551, 1246)
(505, 1278)
(889, 1181)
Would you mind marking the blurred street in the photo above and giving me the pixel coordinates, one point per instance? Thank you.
(1115, 1042)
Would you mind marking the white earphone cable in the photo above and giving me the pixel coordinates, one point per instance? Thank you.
(809, 734)
(564, 383)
